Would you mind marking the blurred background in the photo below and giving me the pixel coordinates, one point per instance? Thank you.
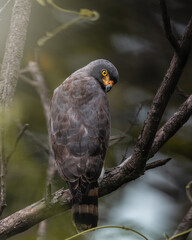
(129, 34)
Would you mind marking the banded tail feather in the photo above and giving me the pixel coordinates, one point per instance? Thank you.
(85, 208)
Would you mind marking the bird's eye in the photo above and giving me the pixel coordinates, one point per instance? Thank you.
(104, 73)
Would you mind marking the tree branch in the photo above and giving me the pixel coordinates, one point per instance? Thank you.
(5, 5)
(17, 141)
(172, 126)
(42, 230)
(157, 163)
(35, 213)
(113, 179)
(39, 83)
(37, 140)
(162, 136)
(14, 50)
(160, 101)
(181, 92)
(8, 79)
(60, 202)
(167, 27)
(132, 168)
(117, 138)
(40, 86)
(185, 224)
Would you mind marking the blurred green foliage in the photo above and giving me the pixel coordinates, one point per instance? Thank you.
(130, 35)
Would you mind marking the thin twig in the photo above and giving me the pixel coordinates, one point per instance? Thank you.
(82, 14)
(5, 5)
(117, 138)
(50, 35)
(42, 230)
(181, 92)
(34, 138)
(182, 236)
(28, 80)
(17, 141)
(167, 26)
(42, 90)
(157, 163)
(103, 227)
(3, 168)
(188, 189)
(37, 141)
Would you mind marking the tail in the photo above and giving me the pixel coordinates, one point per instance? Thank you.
(85, 210)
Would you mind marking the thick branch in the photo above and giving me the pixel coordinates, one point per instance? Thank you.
(61, 201)
(172, 126)
(14, 50)
(127, 171)
(33, 214)
(160, 102)
(8, 79)
(112, 180)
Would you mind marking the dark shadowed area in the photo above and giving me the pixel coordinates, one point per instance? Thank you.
(129, 34)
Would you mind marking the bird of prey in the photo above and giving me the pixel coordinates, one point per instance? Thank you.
(79, 135)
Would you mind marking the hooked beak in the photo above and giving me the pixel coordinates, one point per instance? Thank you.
(107, 83)
(108, 88)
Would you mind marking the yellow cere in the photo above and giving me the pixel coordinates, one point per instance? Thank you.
(107, 81)
(111, 83)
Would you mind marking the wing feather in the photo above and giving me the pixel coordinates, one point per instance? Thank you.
(80, 128)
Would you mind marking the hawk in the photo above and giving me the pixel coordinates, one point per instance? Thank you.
(79, 135)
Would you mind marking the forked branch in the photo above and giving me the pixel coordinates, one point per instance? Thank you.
(149, 142)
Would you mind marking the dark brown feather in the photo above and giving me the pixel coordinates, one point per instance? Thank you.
(79, 135)
(80, 128)
(85, 210)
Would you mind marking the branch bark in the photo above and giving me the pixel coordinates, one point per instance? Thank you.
(41, 88)
(185, 224)
(160, 101)
(133, 167)
(39, 83)
(60, 202)
(35, 213)
(167, 27)
(172, 126)
(8, 79)
(14, 50)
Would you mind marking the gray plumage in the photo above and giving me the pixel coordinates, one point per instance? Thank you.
(79, 135)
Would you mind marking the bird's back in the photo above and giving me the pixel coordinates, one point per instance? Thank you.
(80, 129)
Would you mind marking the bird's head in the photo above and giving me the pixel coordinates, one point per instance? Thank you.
(105, 72)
